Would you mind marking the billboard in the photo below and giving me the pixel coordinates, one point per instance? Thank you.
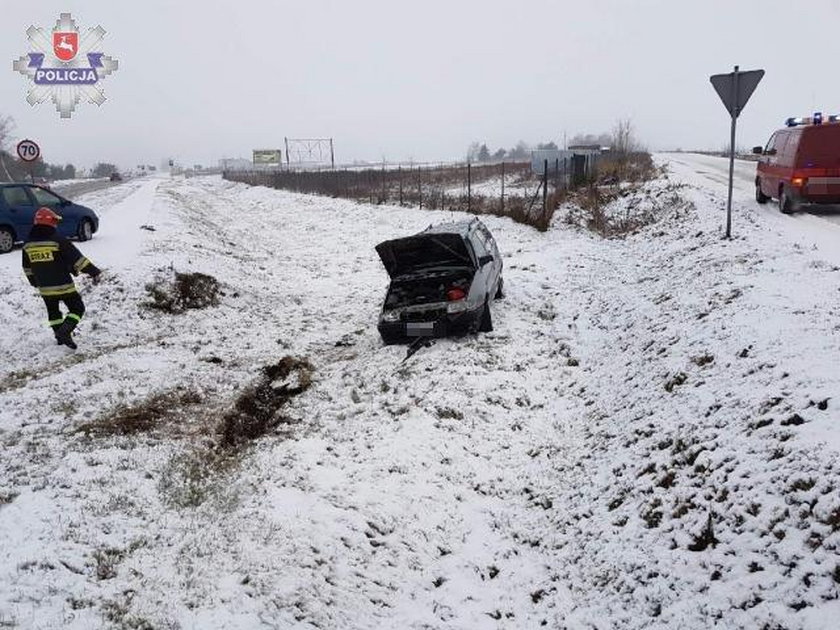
(267, 157)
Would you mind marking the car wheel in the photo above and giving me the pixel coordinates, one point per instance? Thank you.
(500, 290)
(7, 240)
(485, 324)
(785, 202)
(760, 197)
(85, 231)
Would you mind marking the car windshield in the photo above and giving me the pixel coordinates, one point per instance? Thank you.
(434, 252)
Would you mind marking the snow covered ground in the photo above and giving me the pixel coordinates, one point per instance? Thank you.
(515, 185)
(649, 438)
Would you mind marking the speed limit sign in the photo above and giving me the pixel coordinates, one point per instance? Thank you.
(28, 150)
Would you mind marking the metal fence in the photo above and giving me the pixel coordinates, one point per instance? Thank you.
(504, 188)
(450, 187)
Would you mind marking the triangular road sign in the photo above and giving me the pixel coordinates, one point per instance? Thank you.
(747, 82)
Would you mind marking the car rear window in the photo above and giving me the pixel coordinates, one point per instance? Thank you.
(820, 146)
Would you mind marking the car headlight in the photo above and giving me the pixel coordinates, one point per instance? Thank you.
(391, 316)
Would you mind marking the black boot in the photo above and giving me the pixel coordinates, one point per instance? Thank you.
(64, 333)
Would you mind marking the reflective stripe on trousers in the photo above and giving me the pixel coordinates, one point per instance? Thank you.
(63, 289)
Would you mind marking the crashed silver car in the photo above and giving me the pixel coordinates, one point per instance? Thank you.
(443, 281)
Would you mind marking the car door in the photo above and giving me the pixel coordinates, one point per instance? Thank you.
(483, 279)
(45, 199)
(492, 249)
(21, 208)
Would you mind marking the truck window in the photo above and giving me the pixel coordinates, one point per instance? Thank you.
(781, 143)
(792, 144)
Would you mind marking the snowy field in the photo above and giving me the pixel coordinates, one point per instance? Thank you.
(648, 439)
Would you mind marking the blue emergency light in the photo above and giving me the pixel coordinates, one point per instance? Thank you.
(816, 119)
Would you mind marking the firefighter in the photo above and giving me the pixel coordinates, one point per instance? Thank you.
(48, 262)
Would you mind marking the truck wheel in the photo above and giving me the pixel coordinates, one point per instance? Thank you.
(7, 240)
(486, 322)
(786, 204)
(760, 197)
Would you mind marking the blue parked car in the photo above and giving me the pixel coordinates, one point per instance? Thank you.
(18, 203)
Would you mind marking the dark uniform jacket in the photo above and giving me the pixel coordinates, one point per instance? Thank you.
(50, 259)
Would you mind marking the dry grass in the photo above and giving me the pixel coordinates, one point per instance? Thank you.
(177, 292)
(200, 473)
(215, 442)
(148, 415)
(632, 168)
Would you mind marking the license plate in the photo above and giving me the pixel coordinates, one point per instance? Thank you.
(419, 329)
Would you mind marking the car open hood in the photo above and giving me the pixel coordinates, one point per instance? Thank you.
(403, 256)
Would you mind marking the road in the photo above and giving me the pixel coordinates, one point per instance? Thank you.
(716, 171)
(813, 227)
(76, 189)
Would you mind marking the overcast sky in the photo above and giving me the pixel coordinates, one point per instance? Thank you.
(200, 80)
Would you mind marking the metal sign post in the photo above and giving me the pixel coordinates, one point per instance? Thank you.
(734, 90)
(29, 151)
(734, 93)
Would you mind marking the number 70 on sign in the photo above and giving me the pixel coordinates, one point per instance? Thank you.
(28, 150)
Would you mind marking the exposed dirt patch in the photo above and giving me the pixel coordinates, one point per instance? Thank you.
(175, 292)
(143, 417)
(16, 380)
(256, 411)
(202, 473)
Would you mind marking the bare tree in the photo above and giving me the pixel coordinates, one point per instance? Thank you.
(623, 138)
(103, 169)
(520, 152)
(591, 139)
(472, 151)
(7, 125)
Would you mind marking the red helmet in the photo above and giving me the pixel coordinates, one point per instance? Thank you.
(45, 216)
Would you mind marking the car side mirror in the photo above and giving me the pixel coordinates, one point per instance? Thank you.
(483, 260)
(770, 152)
(758, 150)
